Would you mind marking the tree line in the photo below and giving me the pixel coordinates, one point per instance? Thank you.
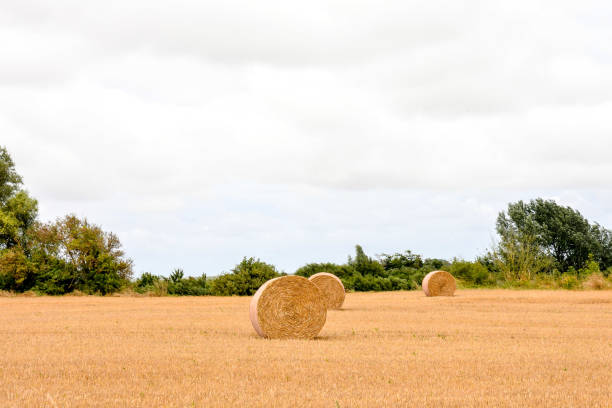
(540, 244)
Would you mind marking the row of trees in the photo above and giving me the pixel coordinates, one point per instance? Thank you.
(56, 257)
(540, 243)
(243, 280)
(400, 271)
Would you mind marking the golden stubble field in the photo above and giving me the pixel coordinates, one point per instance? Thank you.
(490, 348)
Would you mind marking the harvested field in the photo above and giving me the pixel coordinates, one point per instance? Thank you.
(479, 348)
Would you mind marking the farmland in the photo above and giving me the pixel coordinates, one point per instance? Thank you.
(478, 348)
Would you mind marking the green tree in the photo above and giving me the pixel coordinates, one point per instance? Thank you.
(17, 273)
(365, 265)
(559, 232)
(81, 255)
(400, 260)
(341, 271)
(18, 211)
(10, 181)
(244, 279)
(471, 273)
(518, 257)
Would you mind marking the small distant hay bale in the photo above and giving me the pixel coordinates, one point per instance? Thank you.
(331, 287)
(439, 283)
(289, 307)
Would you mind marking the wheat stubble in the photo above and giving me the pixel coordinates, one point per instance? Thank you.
(478, 348)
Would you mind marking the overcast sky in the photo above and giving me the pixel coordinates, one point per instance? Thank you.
(204, 131)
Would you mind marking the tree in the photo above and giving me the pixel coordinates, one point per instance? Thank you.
(17, 273)
(18, 211)
(519, 258)
(400, 260)
(244, 279)
(559, 232)
(81, 255)
(365, 265)
(10, 181)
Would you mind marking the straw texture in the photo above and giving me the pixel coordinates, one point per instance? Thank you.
(331, 287)
(439, 283)
(289, 307)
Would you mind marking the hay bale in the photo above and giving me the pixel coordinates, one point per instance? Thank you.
(439, 283)
(331, 287)
(289, 307)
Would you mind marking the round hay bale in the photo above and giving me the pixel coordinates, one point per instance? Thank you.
(289, 307)
(331, 287)
(439, 283)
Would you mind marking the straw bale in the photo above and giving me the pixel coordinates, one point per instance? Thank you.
(288, 307)
(439, 283)
(331, 287)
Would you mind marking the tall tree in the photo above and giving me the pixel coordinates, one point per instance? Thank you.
(80, 255)
(560, 232)
(18, 211)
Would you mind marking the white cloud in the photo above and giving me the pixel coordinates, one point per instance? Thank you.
(150, 108)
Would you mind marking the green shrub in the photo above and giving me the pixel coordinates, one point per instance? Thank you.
(471, 273)
(244, 279)
(177, 285)
(17, 273)
(569, 281)
(312, 268)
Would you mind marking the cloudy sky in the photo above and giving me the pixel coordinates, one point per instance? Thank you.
(203, 131)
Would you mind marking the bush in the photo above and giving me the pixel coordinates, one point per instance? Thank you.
(16, 272)
(177, 285)
(146, 282)
(365, 265)
(74, 254)
(244, 279)
(312, 268)
(569, 281)
(400, 271)
(471, 273)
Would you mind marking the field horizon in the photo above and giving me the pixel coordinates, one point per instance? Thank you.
(482, 347)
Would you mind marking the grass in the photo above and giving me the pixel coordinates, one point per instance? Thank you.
(480, 348)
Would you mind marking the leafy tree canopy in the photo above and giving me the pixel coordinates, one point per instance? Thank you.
(244, 279)
(18, 211)
(560, 232)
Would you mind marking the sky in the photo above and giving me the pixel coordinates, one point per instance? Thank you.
(204, 131)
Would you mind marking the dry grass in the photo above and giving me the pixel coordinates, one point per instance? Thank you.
(491, 348)
(596, 281)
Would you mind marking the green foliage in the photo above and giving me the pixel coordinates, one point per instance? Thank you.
(146, 282)
(176, 284)
(364, 265)
(401, 260)
(18, 211)
(244, 279)
(569, 281)
(64, 256)
(471, 273)
(519, 258)
(400, 271)
(10, 181)
(312, 268)
(16, 272)
(591, 267)
(561, 233)
(92, 257)
(542, 244)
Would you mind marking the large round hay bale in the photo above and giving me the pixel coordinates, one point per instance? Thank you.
(331, 287)
(289, 307)
(439, 283)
